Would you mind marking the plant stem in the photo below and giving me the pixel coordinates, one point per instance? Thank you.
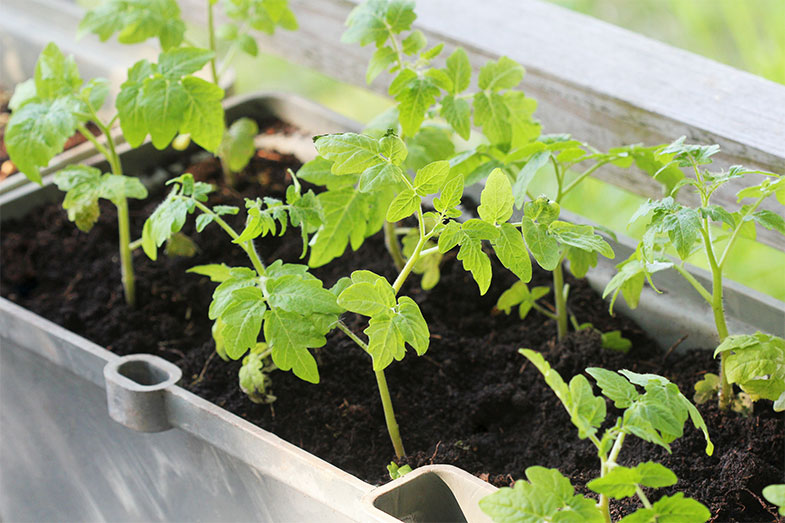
(560, 301)
(695, 283)
(384, 393)
(123, 219)
(606, 466)
(393, 247)
(580, 177)
(211, 32)
(248, 247)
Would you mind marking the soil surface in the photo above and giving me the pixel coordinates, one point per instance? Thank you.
(471, 401)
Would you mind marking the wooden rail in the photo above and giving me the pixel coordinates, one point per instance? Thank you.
(599, 82)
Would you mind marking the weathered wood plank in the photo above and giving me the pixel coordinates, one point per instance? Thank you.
(602, 83)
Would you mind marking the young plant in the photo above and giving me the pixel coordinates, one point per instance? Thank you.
(656, 415)
(756, 363)
(137, 21)
(775, 494)
(428, 96)
(563, 157)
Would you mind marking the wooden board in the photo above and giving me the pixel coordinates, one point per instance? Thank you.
(599, 82)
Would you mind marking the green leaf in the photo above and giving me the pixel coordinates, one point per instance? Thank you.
(404, 205)
(237, 146)
(459, 70)
(345, 215)
(511, 251)
(368, 298)
(37, 132)
(430, 144)
(718, 214)
(396, 471)
(183, 61)
(411, 325)
(524, 127)
(581, 261)
(384, 342)
(580, 236)
(450, 196)
(217, 272)
(587, 411)
(621, 482)
(542, 245)
(458, 114)
(248, 44)
(519, 294)
(496, 199)
(136, 21)
(683, 229)
(770, 220)
(431, 178)
(413, 101)
(552, 378)
(350, 153)
(414, 43)
(502, 74)
(204, 114)
(23, 93)
(676, 509)
(55, 74)
(546, 496)
(290, 335)
(381, 60)
(526, 175)
(756, 363)
(491, 113)
(94, 93)
(613, 340)
(240, 277)
(164, 102)
(227, 32)
(614, 387)
(707, 388)
(305, 296)
(254, 380)
(477, 262)
(242, 320)
(775, 494)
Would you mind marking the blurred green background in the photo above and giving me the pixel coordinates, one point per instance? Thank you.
(747, 34)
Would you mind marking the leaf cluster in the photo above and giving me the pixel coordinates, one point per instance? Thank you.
(656, 415)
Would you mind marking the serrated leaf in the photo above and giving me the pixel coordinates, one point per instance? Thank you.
(136, 21)
(183, 61)
(384, 342)
(458, 114)
(351, 153)
(413, 101)
(304, 296)
(381, 60)
(217, 272)
(523, 126)
(430, 144)
(242, 320)
(450, 196)
(756, 363)
(511, 251)
(581, 237)
(414, 43)
(770, 220)
(459, 70)
(404, 205)
(614, 387)
(431, 178)
(683, 229)
(290, 335)
(477, 262)
(368, 299)
(587, 411)
(345, 215)
(504, 73)
(542, 245)
(240, 277)
(619, 483)
(164, 102)
(411, 325)
(204, 115)
(37, 132)
(55, 74)
(676, 509)
(491, 113)
(718, 214)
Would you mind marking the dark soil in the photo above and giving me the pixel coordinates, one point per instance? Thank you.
(471, 401)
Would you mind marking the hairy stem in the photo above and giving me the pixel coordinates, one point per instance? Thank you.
(248, 247)
(384, 393)
(393, 247)
(606, 466)
(560, 301)
(581, 177)
(123, 219)
(718, 308)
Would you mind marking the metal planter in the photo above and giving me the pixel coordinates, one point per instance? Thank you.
(63, 458)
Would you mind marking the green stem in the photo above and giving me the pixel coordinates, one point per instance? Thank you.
(542, 310)
(695, 283)
(407, 268)
(560, 301)
(211, 32)
(606, 466)
(393, 247)
(123, 219)
(735, 233)
(580, 177)
(248, 247)
(642, 496)
(384, 393)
